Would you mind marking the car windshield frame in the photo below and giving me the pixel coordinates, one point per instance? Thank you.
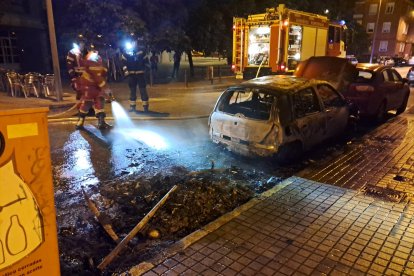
(254, 103)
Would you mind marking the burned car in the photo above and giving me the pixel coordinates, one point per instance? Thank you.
(278, 116)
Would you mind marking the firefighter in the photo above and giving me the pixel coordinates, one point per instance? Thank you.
(74, 60)
(135, 63)
(94, 90)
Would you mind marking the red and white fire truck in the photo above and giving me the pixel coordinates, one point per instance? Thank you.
(276, 41)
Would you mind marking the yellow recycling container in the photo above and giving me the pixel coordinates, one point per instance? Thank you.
(28, 235)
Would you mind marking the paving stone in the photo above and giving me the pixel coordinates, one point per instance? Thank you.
(310, 228)
(179, 268)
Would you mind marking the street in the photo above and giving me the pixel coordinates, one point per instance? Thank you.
(109, 165)
(137, 139)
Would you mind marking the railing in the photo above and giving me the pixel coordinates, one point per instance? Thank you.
(26, 85)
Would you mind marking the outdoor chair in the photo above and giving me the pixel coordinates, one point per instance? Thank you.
(48, 85)
(31, 82)
(15, 84)
(3, 80)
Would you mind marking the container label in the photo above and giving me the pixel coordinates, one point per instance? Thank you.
(22, 130)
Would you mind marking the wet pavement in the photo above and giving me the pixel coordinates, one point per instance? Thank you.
(383, 160)
(360, 224)
(306, 228)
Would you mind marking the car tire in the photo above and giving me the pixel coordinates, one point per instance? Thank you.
(381, 113)
(289, 153)
(403, 106)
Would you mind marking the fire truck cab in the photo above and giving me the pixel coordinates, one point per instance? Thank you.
(276, 41)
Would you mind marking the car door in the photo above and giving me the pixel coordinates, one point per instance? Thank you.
(383, 92)
(397, 93)
(310, 121)
(335, 108)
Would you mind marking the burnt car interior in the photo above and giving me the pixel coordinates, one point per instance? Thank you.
(252, 103)
(305, 103)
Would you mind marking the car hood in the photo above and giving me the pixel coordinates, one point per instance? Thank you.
(338, 71)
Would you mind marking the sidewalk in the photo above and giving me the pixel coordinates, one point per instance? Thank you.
(305, 228)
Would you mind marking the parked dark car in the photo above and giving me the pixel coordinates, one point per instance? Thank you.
(399, 61)
(374, 88)
(410, 76)
(377, 90)
(278, 116)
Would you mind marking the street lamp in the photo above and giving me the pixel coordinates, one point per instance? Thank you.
(53, 47)
(375, 33)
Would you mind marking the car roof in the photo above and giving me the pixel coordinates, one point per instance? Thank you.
(371, 66)
(337, 71)
(281, 83)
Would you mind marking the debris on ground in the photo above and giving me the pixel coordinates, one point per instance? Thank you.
(200, 198)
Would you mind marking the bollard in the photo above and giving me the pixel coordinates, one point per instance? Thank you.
(219, 73)
(151, 79)
(211, 74)
(185, 78)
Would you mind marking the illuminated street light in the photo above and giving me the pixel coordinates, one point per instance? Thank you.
(375, 33)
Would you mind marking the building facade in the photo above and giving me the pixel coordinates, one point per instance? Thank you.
(24, 42)
(389, 25)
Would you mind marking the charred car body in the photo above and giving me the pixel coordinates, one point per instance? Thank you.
(278, 115)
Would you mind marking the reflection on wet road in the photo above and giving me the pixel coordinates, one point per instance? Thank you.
(77, 167)
(88, 157)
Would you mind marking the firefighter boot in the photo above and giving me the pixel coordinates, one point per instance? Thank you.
(101, 121)
(132, 108)
(81, 121)
(146, 108)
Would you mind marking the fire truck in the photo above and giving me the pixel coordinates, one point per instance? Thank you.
(276, 41)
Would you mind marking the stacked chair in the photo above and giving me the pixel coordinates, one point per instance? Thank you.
(26, 85)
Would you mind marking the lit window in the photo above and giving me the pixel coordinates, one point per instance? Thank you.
(386, 27)
(402, 47)
(383, 46)
(373, 9)
(370, 27)
(389, 8)
(358, 16)
(404, 27)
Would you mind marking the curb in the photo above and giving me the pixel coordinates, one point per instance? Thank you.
(185, 242)
(61, 120)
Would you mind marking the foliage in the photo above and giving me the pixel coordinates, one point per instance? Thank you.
(358, 43)
(182, 25)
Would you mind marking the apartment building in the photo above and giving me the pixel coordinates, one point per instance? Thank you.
(24, 42)
(389, 25)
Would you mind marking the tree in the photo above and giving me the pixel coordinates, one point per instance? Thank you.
(358, 42)
(179, 25)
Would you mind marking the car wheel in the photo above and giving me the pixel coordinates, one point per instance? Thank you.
(403, 106)
(289, 153)
(381, 113)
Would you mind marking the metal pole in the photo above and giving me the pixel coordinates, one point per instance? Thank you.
(53, 47)
(151, 78)
(219, 73)
(375, 33)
